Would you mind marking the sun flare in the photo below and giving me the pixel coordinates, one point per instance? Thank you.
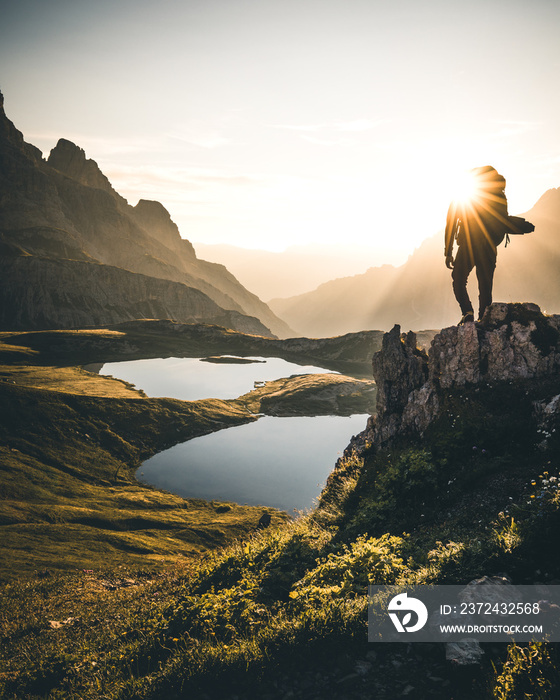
(465, 188)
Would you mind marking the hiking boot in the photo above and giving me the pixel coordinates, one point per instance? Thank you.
(467, 318)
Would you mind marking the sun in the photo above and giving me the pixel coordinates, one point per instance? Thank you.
(465, 188)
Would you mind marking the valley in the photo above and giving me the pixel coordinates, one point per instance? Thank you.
(72, 440)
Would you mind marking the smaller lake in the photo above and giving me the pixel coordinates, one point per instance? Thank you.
(192, 379)
(278, 462)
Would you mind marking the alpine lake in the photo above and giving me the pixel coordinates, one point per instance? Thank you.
(279, 462)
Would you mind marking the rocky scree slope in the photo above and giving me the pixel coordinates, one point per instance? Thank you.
(65, 210)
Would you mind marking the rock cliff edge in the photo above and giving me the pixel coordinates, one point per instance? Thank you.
(513, 342)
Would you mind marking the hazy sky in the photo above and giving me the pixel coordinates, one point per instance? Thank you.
(267, 123)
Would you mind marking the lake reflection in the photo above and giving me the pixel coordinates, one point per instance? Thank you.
(279, 462)
(192, 379)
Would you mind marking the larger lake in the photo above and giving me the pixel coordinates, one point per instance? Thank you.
(279, 462)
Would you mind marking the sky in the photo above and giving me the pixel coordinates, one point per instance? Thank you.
(273, 123)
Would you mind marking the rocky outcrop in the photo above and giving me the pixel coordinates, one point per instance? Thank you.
(65, 209)
(513, 342)
(399, 368)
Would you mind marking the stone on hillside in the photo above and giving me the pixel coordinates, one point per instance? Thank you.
(488, 589)
(465, 653)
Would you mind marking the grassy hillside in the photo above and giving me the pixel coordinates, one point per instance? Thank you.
(282, 613)
(69, 498)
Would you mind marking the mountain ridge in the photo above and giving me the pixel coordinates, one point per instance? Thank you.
(65, 208)
(133, 296)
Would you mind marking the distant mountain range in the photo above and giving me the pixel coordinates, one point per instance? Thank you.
(296, 270)
(418, 294)
(74, 253)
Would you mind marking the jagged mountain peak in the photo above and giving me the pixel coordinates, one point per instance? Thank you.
(11, 139)
(8, 131)
(65, 146)
(153, 209)
(61, 214)
(71, 160)
(154, 218)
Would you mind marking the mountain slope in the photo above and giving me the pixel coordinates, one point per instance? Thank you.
(418, 294)
(52, 293)
(66, 209)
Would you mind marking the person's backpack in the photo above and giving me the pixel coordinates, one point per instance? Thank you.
(518, 226)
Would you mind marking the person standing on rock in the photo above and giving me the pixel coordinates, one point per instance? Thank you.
(478, 224)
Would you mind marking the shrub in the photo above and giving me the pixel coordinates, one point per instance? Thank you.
(373, 560)
(528, 672)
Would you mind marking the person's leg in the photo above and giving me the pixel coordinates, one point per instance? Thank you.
(485, 266)
(461, 268)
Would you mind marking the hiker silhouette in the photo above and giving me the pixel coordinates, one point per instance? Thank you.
(478, 225)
